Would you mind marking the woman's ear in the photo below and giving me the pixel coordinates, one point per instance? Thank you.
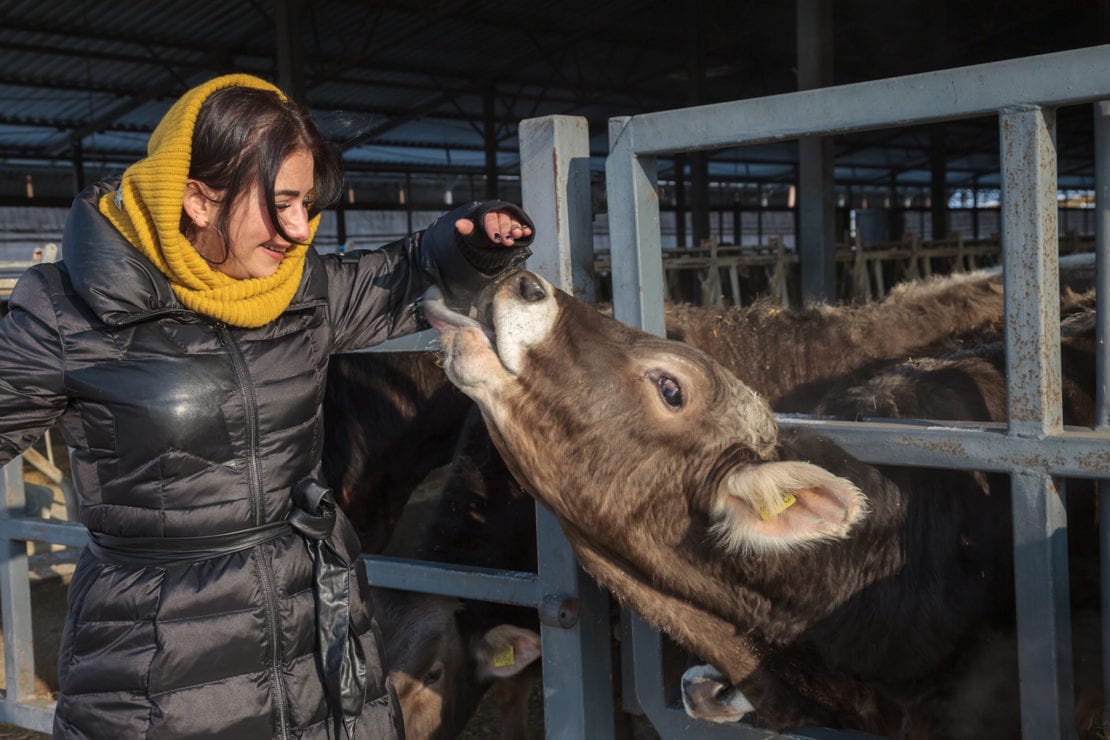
(198, 204)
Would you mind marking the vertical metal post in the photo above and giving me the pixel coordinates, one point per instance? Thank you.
(15, 594)
(1102, 268)
(1030, 255)
(1102, 363)
(647, 649)
(577, 666)
(555, 184)
(634, 244)
(577, 670)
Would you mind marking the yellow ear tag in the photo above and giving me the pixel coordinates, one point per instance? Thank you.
(787, 501)
(504, 657)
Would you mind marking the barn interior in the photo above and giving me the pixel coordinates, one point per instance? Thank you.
(423, 98)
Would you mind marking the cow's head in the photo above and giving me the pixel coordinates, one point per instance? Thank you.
(602, 422)
(441, 670)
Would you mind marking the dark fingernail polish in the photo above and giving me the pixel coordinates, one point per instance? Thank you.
(497, 237)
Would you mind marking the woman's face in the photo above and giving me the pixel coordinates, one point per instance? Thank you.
(255, 247)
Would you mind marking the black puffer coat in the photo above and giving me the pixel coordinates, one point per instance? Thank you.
(183, 426)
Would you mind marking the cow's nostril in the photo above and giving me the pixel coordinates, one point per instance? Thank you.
(530, 287)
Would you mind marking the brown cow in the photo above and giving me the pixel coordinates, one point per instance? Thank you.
(483, 518)
(393, 417)
(828, 590)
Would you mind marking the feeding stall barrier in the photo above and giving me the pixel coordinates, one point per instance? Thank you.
(1033, 447)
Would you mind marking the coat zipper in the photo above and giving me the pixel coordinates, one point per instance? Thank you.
(254, 474)
(254, 470)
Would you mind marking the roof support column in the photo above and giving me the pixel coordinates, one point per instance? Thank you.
(77, 150)
(290, 51)
(489, 125)
(816, 181)
(938, 187)
(698, 160)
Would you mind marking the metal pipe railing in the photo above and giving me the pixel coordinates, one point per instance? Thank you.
(1033, 447)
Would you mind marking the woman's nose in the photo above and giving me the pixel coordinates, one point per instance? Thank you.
(295, 223)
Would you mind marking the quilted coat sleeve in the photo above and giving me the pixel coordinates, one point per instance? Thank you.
(375, 295)
(32, 394)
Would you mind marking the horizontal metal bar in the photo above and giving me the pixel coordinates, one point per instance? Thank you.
(462, 581)
(32, 714)
(1075, 453)
(427, 340)
(1063, 78)
(42, 530)
(673, 722)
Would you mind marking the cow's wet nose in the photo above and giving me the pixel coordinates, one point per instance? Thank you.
(529, 287)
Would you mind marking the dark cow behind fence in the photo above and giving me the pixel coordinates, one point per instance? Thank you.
(390, 419)
(827, 590)
(444, 653)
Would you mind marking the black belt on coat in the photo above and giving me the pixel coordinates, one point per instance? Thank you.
(313, 517)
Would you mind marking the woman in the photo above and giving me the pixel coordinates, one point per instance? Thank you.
(182, 346)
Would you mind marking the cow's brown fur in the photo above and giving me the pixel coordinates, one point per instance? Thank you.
(776, 350)
(582, 426)
(761, 343)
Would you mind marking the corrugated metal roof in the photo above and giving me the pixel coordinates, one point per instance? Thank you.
(402, 85)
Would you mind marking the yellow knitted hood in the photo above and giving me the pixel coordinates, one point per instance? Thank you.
(147, 211)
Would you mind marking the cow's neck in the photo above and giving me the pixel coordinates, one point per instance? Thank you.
(739, 656)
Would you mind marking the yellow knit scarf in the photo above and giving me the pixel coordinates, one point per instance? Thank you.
(147, 211)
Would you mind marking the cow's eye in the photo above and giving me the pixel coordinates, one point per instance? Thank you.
(433, 676)
(670, 391)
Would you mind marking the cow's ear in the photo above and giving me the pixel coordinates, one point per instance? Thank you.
(777, 506)
(506, 650)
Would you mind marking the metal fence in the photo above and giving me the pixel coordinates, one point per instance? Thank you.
(1032, 447)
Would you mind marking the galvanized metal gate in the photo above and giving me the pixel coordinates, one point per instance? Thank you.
(1033, 447)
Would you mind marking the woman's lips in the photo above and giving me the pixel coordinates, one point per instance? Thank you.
(276, 252)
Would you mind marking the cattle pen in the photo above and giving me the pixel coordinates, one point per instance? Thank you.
(1033, 448)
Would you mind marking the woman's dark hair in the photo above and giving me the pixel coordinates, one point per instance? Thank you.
(242, 136)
